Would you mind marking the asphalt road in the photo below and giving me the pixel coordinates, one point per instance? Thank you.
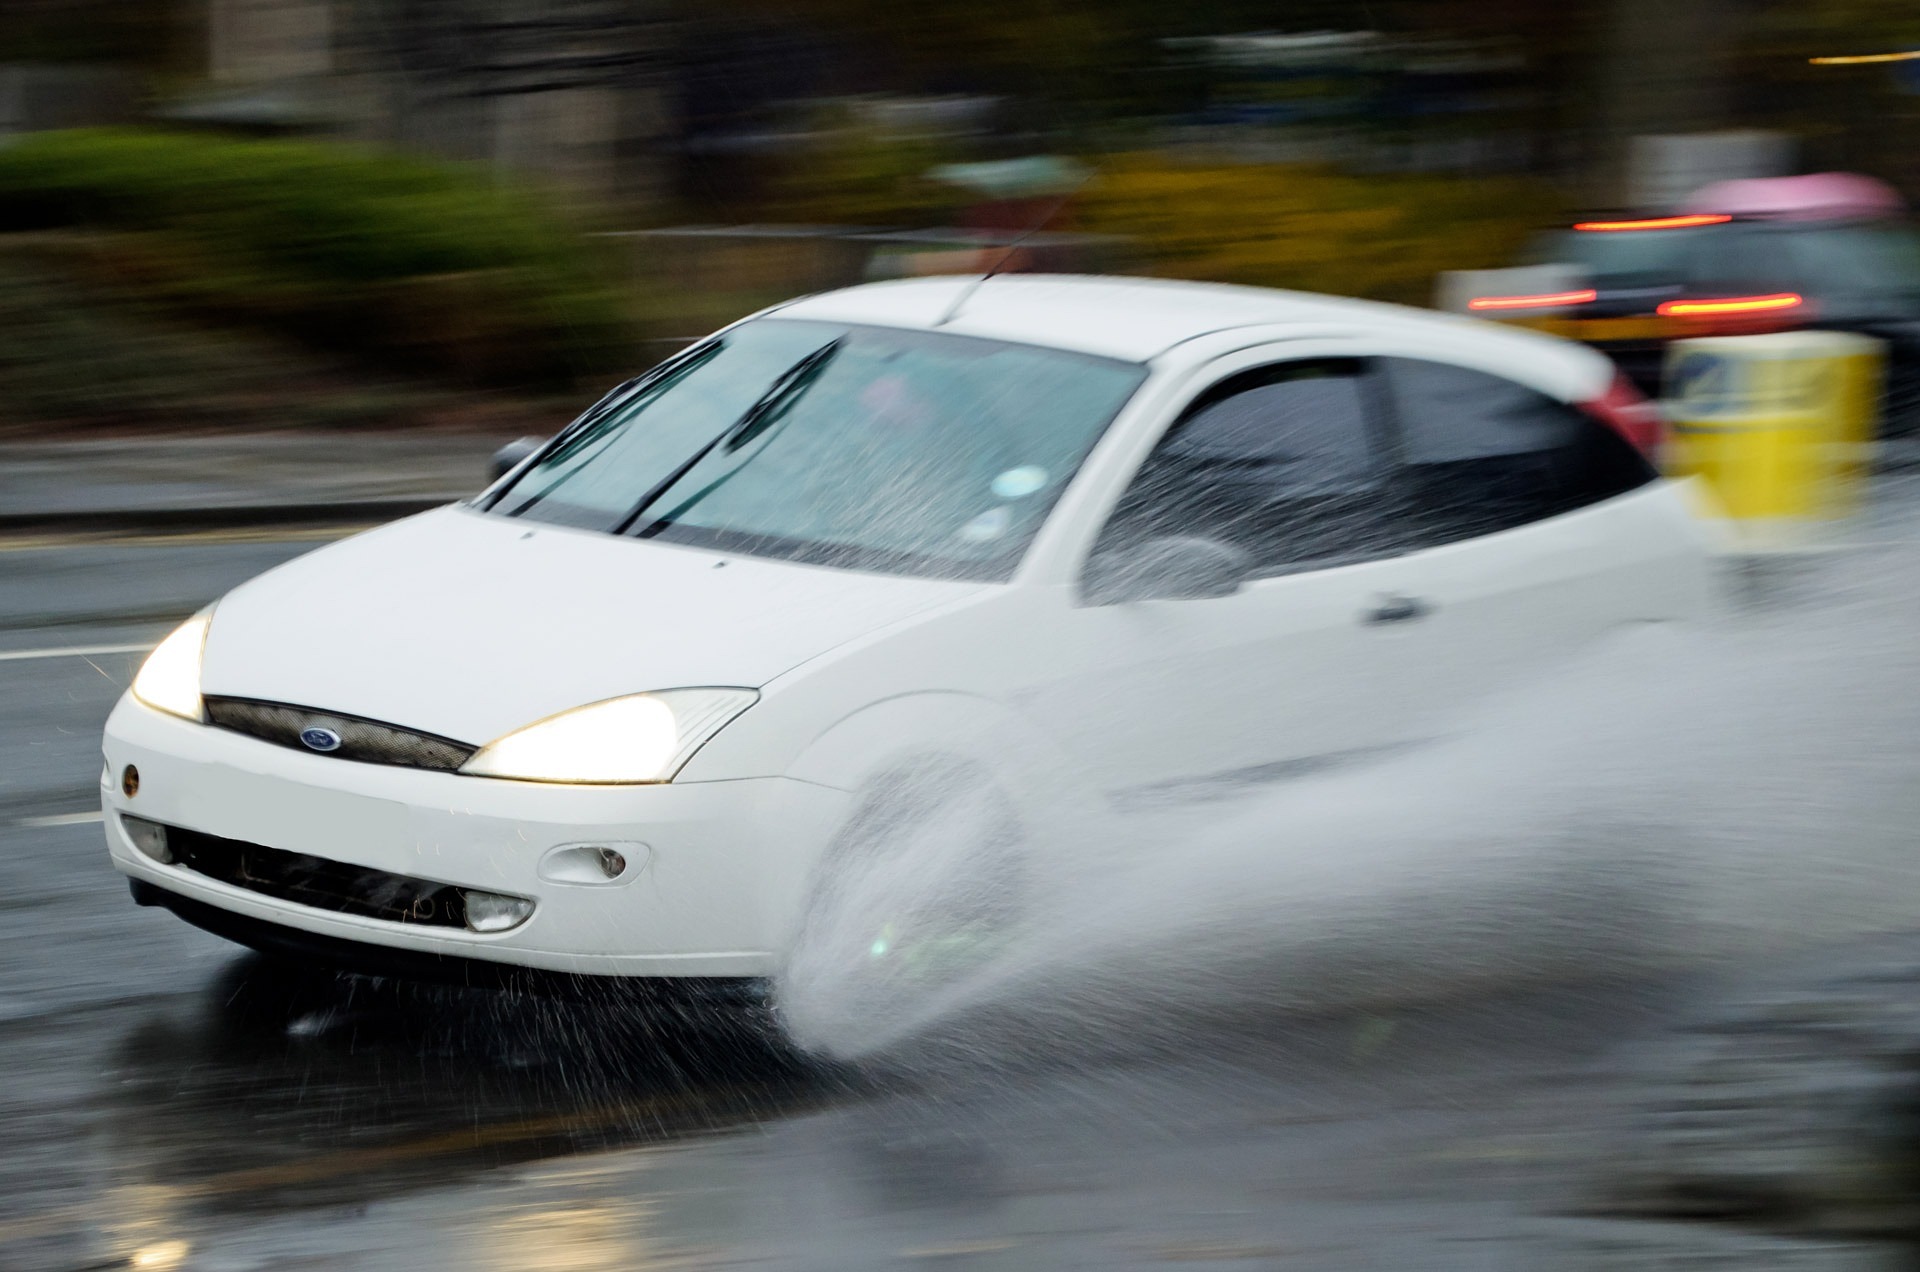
(169, 1101)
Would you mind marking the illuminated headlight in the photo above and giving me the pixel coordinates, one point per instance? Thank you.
(647, 737)
(169, 680)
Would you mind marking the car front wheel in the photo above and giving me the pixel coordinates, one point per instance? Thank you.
(921, 894)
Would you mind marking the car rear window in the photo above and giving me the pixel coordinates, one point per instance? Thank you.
(1867, 259)
(1631, 256)
(1830, 260)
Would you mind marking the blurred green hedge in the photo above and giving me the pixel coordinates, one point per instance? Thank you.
(1311, 228)
(421, 264)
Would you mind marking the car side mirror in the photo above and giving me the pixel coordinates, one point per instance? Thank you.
(1166, 569)
(514, 454)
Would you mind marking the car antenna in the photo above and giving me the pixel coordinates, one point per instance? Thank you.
(966, 293)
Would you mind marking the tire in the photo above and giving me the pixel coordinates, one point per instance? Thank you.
(919, 896)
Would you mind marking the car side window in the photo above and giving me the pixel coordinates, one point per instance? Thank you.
(1479, 453)
(1281, 462)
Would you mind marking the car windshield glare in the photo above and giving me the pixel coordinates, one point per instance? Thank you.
(869, 448)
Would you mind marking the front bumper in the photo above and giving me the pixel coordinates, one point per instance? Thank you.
(716, 870)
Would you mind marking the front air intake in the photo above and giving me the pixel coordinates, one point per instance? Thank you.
(320, 884)
(342, 737)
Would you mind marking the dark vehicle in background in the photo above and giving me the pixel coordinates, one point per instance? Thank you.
(1779, 256)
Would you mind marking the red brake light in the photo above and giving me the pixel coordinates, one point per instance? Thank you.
(1729, 305)
(1688, 221)
(1622, 409)
(1545, 300)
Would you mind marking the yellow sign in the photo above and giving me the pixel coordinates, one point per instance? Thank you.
(1779, 426)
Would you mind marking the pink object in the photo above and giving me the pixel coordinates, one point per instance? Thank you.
(1815, 197)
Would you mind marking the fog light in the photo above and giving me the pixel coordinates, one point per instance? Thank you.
(149, 837)
(491, 912)
(129, 781)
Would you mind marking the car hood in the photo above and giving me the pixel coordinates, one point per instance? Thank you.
(470, 626)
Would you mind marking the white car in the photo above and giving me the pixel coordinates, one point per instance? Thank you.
(1051, 546)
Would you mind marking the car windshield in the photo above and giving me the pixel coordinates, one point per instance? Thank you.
(1621, 259)
(870, 448)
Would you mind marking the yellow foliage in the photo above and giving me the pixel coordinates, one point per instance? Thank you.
(1309, 228)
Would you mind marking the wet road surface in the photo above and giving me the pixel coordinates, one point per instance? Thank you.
(172, 1101)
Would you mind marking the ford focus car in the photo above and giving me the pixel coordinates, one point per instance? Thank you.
(1047, 547)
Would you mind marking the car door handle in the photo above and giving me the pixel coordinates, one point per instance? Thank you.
(1396, 609)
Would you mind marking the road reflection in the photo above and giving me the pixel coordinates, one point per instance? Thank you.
(290, 1088)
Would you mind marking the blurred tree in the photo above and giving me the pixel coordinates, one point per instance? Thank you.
(1864, 117)
(154, 34)
(567, 92)
(1849, 26)
(1277, 225)
(1079, 65)
(1665, 67)
(500, 48)
(1080, 76)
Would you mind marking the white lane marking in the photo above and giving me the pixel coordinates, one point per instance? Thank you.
(71, 651)
(121, 539)
(60, 819)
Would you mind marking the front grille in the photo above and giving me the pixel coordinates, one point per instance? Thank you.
(368, 741)
(317, 882)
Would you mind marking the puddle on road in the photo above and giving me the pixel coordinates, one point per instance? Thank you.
(276, 1098)
(339, 1090)
(1673, 797)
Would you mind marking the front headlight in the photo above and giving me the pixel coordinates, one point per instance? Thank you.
(644, 738)
(169, 680)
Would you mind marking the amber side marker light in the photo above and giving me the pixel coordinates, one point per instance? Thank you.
(1731, 305)
(1545, 300)
(1654, 223)
(1858, 59)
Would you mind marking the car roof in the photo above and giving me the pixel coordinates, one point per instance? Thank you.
(1140, 319)
(1813, 196)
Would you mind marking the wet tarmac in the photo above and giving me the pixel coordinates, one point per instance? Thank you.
(173, 1101)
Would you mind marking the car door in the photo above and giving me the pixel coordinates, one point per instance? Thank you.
(1531, 529)
(1288, 462)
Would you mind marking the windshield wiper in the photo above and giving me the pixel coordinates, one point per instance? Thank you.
(762, 415)
(596, 419)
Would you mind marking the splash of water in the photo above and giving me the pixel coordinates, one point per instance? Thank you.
(1740, 788)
